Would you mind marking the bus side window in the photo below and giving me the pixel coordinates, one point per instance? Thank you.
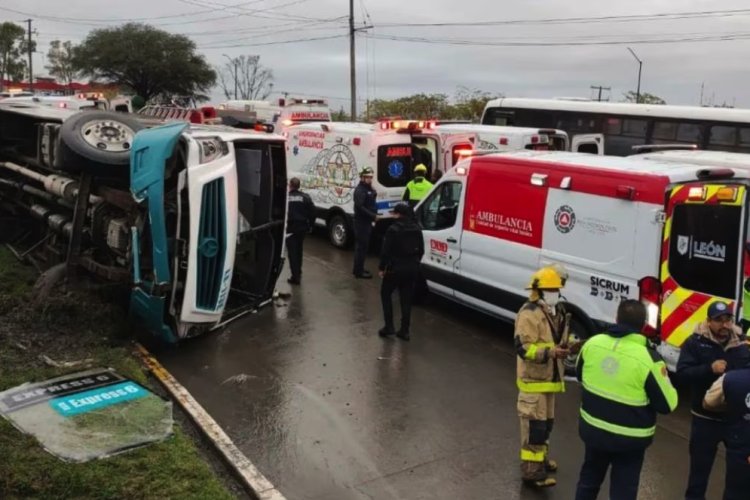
(722, 136)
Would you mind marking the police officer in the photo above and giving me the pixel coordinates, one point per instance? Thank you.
(715, 348)
(624, 385)
(300, 220)
(731, 393)
(538, 337)
(403, 248)
(418, 187)
(365, 214)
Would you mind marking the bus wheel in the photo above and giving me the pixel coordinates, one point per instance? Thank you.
(578, 333)
(339, 231)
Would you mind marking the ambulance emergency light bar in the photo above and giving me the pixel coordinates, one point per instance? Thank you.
(406, 125)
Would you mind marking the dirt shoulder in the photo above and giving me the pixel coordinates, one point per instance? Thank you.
(83, 325)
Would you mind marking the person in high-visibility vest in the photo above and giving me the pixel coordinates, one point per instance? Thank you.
(418, 187)
(538, 337)
(624, 385)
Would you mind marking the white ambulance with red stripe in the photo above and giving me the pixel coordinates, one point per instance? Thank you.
(669, 234)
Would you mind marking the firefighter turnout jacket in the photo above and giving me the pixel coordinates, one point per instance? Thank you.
(625, 384)
(536, 335)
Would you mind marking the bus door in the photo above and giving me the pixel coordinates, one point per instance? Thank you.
(702, 258)
(588, 143)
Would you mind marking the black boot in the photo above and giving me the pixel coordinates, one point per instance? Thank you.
(386, 332)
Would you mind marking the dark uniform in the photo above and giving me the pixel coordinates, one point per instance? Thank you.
(708, 427)
(403, 248)
(625, 384)
(732, 393)
(365, 213)
(300, 220)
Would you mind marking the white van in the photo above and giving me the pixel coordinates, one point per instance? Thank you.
(668, 234)
(503, 138)
(328, 156)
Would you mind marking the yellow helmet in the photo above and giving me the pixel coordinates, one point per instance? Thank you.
(420, 169)
(548, 278)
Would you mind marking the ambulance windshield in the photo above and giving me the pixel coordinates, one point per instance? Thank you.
(704, 249)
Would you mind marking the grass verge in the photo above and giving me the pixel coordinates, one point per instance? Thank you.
(78, 326)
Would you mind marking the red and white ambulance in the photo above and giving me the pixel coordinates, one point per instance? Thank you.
(328, 156)
(669, 234)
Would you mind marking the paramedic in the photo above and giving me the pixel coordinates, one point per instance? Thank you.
(403, 248)
(418, 187)
(365, 214)
(625, 384)
(300, 221)
(538, 337)
(715, 348)
(731, 392)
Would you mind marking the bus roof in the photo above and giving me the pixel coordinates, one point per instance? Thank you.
(627, 109)
(496, 129)
(702, 157)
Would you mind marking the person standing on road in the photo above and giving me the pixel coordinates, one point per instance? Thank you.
(538, 335)
(403, 248)
(418, 187)
(436, 176)
(624, 385)
(300, 221)
(714, 349)
(731, 393)
(365, 215)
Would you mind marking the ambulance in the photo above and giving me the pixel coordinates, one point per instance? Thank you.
(502, 138)
(328, 156)
(669, 234)
(284, 112)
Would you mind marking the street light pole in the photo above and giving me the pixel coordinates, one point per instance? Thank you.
(234, 63)
(640, 67)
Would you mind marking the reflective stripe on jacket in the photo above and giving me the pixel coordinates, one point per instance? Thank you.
(536, 370)
(625, 383)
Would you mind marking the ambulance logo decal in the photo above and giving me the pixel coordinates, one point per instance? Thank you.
(395, 169)
(683, 244)
(332, 175)
(565, 219)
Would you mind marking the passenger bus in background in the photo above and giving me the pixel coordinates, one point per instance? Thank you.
(328, 156)
(668, 234)
(615, 128)
(500, 138)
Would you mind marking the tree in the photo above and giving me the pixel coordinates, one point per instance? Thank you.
(645, 98)
(417, 106)
(247, 77)
(60, 57)
(150, 61)
(12, 45)
(340, 116)
(470, 103)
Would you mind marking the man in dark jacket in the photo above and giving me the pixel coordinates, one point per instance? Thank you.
(714, 349)
(365, 214)
(402, 252)
(624, 385)
(731, 394)
(300, 220)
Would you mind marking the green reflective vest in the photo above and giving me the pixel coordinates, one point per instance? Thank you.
(418, 188)
(614, 374)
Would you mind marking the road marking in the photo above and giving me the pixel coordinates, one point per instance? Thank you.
(251, 477)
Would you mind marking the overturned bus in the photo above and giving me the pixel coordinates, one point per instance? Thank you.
(190, 217)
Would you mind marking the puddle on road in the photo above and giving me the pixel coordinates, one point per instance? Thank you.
(87, 415)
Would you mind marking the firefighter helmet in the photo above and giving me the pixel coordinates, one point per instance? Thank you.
(366, 172)
(548, 278)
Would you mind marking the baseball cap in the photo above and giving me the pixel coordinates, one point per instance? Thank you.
(719, 309)
(365, 171)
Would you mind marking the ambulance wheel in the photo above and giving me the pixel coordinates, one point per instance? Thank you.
(98, 143)
(339, 231)
(578, 333)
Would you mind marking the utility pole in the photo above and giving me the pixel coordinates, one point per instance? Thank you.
(352, 62)
(640, 67)
(702, 85)
(600, 88)
(31, 67)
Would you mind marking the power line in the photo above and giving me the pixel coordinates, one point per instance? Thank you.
(280, 42)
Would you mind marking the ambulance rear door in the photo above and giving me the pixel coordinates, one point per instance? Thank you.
(702, 257)
(454, 147)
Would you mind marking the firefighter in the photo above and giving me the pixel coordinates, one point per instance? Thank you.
(418, 187)
(624, 385)
(300, 221)
(538, 337)
(365, 215)
(716, 347)
(731, 393)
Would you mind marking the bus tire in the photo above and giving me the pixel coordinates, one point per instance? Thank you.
(340, 232)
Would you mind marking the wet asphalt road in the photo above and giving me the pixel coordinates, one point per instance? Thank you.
(328, 410)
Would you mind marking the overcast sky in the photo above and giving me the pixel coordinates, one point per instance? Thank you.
(393, 68)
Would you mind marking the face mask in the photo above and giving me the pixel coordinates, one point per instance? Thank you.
(551, 298)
